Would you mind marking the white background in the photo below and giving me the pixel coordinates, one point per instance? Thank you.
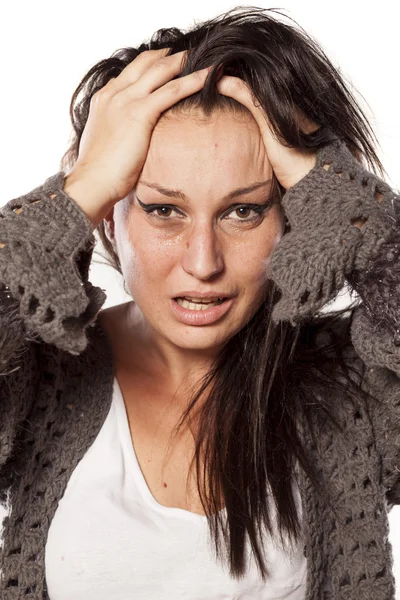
(46, 48)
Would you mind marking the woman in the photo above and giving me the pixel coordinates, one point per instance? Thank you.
(223, 171)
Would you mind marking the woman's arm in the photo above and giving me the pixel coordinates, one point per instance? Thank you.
(344, 227)
(46, 244)
(375, 334)
(340, 216)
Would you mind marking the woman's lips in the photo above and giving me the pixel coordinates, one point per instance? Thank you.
(200, 317)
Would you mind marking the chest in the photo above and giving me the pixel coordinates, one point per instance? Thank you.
(164, 458)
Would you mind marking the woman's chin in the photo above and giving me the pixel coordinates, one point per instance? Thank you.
(199, 339)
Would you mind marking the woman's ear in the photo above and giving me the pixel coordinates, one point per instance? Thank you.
(109, 226)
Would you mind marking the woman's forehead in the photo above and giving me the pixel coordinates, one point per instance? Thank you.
(191, 151)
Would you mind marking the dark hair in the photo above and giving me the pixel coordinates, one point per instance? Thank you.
(268, 376)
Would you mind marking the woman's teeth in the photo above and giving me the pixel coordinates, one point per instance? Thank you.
(196, 304)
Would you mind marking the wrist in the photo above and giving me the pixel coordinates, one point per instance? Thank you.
(87, 196)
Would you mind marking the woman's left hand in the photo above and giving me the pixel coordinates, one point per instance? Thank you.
(289, 164)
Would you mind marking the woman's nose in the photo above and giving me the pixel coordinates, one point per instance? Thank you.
(202, 254)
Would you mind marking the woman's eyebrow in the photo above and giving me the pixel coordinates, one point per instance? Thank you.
(179, 194)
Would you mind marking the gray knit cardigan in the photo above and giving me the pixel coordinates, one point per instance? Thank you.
(56, 369)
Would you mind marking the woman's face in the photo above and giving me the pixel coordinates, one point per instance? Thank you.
(207, 240)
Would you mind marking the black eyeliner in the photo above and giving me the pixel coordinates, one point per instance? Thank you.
(149, 207)
(259, 208)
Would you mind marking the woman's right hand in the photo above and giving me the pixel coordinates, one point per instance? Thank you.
(116, 138)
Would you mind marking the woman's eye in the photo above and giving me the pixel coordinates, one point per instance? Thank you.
(163, 211)
(244, 213)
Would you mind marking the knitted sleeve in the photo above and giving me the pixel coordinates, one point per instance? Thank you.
(46, 243)
(345, 229)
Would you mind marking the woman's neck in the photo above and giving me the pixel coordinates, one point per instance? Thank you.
(140, 350)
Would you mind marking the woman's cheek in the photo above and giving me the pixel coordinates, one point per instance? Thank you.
(155, 258)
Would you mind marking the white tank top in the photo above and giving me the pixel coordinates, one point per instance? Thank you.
(110, 538)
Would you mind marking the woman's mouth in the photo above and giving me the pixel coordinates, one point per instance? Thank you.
(197, 303)
(196, 311)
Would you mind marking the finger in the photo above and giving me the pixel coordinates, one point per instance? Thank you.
(159, 73)
(280, 157)
(139, 66)
(173, 91)
(239, 90)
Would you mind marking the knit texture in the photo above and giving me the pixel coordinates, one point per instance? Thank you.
(323, 248)
(56, 370)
